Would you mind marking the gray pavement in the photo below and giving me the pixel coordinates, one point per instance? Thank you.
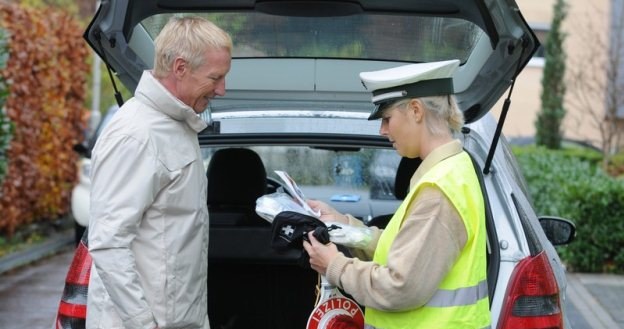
(30, 294)
(53, 244)
(598, 299)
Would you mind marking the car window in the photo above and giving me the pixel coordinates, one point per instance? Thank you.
(513, 166)
(364, 36)
(325, 174)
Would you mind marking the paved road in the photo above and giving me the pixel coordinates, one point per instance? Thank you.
(29, 295)
(596, 300)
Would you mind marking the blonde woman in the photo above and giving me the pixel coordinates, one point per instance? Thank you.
(427, 268)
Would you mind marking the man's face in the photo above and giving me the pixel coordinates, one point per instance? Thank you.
(197, 87)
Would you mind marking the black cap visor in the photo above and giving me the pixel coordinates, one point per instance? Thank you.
(387, 96)
(380, 107)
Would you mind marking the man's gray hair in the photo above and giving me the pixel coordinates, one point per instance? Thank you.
(187, 37)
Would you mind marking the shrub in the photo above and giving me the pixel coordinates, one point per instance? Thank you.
(47, 72)
(576, 188)
(597, 204)
(616, 165)
(552, 112)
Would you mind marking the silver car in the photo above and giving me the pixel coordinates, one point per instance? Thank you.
(294, 102)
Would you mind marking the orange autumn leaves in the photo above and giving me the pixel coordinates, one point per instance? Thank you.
(46, 73)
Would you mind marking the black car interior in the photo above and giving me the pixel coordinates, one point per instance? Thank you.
(249, 283)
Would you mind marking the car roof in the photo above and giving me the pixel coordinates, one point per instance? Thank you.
(303, 58)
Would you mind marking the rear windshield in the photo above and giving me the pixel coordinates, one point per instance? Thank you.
(365, 36)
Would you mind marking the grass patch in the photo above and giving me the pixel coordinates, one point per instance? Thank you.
(30, 235)
(18, 243)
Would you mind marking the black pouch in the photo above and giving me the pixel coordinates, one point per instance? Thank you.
(290, 229)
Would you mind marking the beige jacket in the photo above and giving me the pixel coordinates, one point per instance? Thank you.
(148, 228)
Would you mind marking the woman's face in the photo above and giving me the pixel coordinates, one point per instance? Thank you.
(400, 123)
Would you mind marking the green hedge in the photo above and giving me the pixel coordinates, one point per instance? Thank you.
(570, 184)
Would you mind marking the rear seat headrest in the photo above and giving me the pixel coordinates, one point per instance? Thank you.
(236, 176)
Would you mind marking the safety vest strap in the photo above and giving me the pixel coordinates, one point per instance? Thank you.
(459, 297)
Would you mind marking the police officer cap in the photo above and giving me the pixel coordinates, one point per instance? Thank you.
(408, 81)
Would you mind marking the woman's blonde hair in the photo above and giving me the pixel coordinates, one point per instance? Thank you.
(188, 37)
(444, 115)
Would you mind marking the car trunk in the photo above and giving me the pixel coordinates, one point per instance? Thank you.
(274, 71)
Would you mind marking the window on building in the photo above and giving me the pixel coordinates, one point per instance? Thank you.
(541, 32)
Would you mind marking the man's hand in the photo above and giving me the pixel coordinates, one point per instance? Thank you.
(320, 254)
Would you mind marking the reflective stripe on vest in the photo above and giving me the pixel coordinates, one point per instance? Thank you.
(368, 326)
(461, 299)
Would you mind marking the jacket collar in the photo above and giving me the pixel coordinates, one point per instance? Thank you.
(437, 155)
(152, 92)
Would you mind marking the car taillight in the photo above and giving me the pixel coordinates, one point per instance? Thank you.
(72, 310)
(532, 298)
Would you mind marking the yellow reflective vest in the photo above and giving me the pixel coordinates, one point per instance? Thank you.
(461, 300)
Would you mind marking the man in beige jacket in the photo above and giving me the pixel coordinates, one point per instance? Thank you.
(148, 229)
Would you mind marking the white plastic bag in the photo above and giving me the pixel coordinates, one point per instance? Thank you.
(348, 235)
(268, 206)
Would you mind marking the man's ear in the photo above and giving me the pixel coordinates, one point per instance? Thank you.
(180, 67)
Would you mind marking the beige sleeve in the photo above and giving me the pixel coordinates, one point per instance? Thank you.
(423, 251)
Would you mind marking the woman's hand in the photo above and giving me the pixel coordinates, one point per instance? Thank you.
(320, 254)
(328, 214)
